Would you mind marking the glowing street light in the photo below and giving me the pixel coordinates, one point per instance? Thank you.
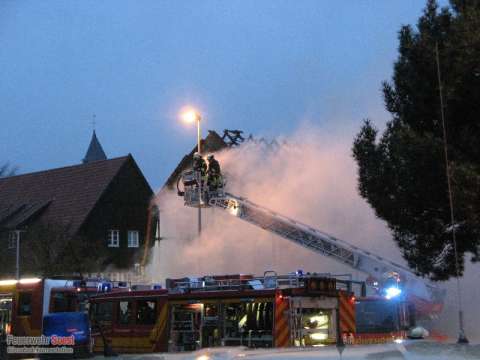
(191, 116)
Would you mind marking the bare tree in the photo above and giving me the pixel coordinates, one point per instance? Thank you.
(7, 170)
(50, 249)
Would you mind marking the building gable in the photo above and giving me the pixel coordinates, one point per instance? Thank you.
(122, 207)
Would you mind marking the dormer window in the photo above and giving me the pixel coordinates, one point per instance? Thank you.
(113, 238)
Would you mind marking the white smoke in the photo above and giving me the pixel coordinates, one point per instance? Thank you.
(312, 178)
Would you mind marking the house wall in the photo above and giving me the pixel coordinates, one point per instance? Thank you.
(7, 257)
(123, 206)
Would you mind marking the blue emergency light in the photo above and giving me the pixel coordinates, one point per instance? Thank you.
(105, 287)
(392, 292)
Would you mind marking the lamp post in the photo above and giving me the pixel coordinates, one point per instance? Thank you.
(17, 245)
(191, 116)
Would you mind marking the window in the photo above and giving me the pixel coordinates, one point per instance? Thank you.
(380, 315)
(12, 239)
(146, 312)
(124, 312)
(113, 238)
(24, 304)
(102, 311)
(133, 239)
(63, 302)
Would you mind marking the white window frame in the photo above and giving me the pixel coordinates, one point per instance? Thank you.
(113, 238)
(12, 239)
(133, 238)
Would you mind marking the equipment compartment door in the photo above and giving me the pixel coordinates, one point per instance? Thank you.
(5, 314)
(248, 323)
(211, 325)
(313, 321)
(185, 327)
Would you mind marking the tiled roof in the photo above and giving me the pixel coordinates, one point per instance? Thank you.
(21, 214)
(64, 195)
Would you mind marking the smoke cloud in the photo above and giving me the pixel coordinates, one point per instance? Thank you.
(311, 178)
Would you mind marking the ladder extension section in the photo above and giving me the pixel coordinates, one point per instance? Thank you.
(317, 241)
(286, 228)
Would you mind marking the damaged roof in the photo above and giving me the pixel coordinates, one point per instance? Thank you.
(212, 143)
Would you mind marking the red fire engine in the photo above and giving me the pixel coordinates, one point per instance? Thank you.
(238, 310)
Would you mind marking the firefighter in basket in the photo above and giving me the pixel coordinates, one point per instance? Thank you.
(214, 175)
(200, 166)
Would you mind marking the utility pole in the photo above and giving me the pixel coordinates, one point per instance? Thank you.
(462, 338)
(17, 266)
(199, 139)
(191, 116)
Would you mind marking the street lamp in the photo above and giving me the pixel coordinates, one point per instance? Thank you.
(190, 116)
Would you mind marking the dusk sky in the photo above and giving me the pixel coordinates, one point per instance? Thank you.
(264, 67)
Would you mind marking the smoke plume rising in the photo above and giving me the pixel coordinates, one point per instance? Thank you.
(311, 178)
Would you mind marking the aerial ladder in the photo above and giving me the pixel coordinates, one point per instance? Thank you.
(387, 278)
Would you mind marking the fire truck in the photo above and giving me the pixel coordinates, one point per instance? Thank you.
(387, 280)
(24, 303)
(234, 310)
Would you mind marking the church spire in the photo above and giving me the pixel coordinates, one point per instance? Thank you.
(95, 151)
